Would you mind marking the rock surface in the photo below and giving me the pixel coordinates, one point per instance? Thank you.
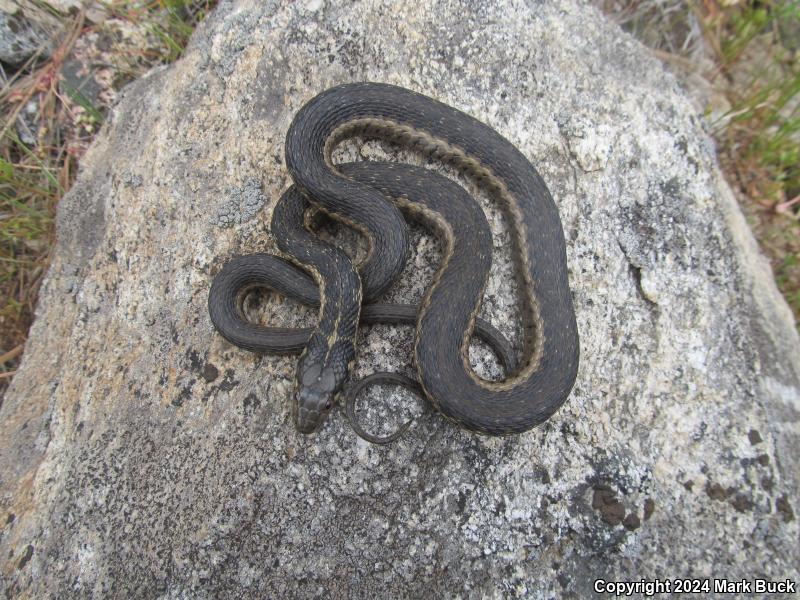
(143, 456)
(25, 28)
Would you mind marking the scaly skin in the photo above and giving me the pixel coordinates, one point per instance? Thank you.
(550, 352)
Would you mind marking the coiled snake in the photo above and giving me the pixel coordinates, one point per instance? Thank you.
(359, 195)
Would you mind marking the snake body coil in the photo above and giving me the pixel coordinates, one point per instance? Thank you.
(357, 194)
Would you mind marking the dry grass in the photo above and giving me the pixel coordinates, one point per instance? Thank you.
(47, 124)
(747, 53)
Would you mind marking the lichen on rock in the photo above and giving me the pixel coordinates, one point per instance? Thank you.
(243, 203)
(143, 455)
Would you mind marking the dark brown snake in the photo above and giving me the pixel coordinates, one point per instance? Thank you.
(370, 197)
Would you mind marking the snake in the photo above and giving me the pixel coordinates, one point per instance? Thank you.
(242, 274)
(371, 197)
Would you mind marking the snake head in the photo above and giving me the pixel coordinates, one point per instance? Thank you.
(316, 386)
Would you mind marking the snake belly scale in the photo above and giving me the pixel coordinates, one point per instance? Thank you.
(536, 385)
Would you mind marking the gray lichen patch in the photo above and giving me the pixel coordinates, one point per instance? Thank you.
(143, 455)
(241, 204)
(131, 179)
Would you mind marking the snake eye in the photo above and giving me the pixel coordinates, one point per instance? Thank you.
(328, 405)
